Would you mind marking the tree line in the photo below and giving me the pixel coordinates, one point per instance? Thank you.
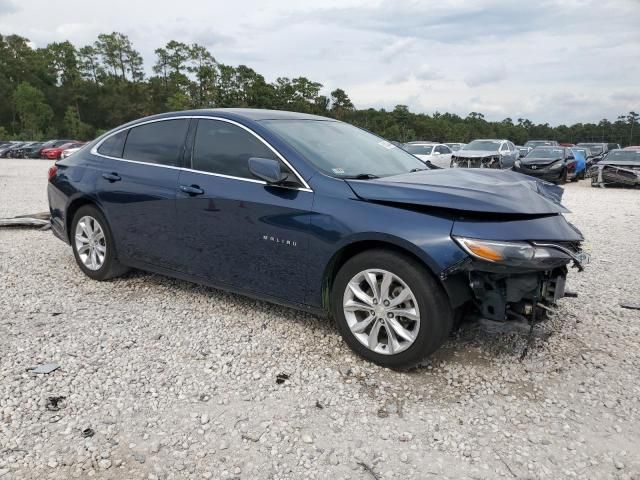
(64, 91)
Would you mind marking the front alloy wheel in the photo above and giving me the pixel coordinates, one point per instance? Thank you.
(389, 308)
(381, 311)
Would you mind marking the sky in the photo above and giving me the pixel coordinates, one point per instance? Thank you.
(555, 61)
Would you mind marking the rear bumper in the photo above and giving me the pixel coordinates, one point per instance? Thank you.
(57, 212)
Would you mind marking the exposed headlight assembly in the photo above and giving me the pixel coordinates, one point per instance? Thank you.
(517, 163)
(514, 254)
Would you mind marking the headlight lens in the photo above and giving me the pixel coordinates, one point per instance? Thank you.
(556, 166)
(515, 254)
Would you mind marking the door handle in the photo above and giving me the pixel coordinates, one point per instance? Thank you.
(192, 189)
(112, 177)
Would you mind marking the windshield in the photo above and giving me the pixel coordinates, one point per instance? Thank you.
(454, 146)
(596, 148)
(538, 143)
(624, 155)
(342, 150)
(546, 152)
(483, 145)
(418, 149)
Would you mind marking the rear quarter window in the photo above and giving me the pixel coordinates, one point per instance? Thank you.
(114, 145)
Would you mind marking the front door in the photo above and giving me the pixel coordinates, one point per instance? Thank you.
(236, 230)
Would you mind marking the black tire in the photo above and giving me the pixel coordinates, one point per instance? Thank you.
(563, 178)
(436, 315)
(110, 267)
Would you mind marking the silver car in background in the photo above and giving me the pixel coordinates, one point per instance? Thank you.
(486, 153)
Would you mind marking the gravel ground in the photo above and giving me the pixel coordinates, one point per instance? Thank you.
(179, 381)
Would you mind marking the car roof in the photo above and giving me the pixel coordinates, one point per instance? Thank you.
(255, 114)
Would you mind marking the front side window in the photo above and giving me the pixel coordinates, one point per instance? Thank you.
(113, 146)
(224, 148)
(157, 142)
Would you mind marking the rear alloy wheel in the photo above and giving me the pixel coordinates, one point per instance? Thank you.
(390, 310)
(93, 246)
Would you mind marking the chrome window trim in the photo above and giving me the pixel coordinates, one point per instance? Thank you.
(306, 188)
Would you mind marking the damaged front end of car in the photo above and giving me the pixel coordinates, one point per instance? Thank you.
(603, 175)
(512, 280)
(489, 161)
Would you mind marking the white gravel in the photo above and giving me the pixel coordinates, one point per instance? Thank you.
(179, 381)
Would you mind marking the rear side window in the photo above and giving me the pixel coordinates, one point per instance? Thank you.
(113, 146)
(158, 142)
(225, 149)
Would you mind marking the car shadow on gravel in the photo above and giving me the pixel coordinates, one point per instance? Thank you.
(474, 343)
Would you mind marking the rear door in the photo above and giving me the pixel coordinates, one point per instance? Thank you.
(137, 188)
(235, 229)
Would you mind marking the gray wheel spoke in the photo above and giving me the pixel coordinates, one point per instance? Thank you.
(384, 285)
(84, 249)
(408, 313)
(362, 325)
(82, 239)
(357, 291)
(354, 306)
(101, 249)
(399, 330)
(372, 280)
(392, 342)
(373, 336)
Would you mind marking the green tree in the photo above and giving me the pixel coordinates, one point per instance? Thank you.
(32, 109)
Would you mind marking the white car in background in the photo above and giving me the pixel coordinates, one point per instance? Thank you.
(70, 151)
(437, 154)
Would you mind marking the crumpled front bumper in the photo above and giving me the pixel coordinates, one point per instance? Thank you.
(612, 175)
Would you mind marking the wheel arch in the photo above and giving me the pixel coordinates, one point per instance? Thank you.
(74, 206)
(454, 289)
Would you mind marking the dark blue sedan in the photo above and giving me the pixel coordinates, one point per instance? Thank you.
(319, 215)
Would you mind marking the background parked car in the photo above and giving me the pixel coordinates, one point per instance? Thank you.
(580, 157)
(553, 164)
(540, 143)
(613, 146)
(455, 146)
(71, 150)
(37, 152)
(22, 151)
(486, 153)
(633, 147)
(598, 150)
(5, 151)
(619, 168)
(522, 151)
(53, 153)
(437, 154)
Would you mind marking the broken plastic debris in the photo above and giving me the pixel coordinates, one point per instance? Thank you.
(88, 432)
(45, 368)
(31, 220)
(631, 305)
(281, 378)
(53, 403)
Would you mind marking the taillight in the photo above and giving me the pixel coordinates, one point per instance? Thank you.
(53, 171)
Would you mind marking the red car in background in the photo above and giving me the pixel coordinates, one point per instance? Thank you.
(53, 153)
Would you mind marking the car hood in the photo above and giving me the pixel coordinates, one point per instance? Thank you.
(620, 163)
(473, 190)
(475, 153)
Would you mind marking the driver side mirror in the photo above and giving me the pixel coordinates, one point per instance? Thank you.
(267, 169)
